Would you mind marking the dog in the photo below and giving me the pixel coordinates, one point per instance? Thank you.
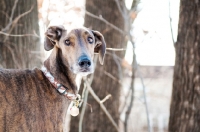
(37, 100)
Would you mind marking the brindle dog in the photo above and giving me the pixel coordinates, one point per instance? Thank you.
(28, 100)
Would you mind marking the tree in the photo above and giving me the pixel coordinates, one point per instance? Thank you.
(103, 84)
(185, 108)
(19, 17)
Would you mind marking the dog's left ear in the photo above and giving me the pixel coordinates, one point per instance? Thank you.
(100, 45)
(52, 36)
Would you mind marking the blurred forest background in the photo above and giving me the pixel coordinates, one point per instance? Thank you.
(132, 91)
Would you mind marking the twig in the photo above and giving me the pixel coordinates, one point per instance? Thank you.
(112, 77)
(118, 65)
(170, 22)
(16, 61)
(22, 15)
(101, 105)
(106, 98)
(120, 9)
(19, 35)
(132, 96)
(129, 23)
(144, 90)
(144, 94)
(83, 108)
(117, 57)
(115, 49)
(124, 104)
(11, 17)
(17, 19)
(104, 20)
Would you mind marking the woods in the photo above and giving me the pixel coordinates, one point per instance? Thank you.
(19, 17)
(139, 88)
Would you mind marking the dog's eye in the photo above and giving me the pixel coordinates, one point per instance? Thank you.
(90, 40)
(67, 42)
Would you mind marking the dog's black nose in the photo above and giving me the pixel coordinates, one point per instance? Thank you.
(84, 62)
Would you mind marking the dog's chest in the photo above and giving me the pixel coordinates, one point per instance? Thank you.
(29, 102)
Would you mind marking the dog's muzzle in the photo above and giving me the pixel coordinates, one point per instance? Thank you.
(84, 62)
(84, 66)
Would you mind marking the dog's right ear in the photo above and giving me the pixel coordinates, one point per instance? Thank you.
(52, 36)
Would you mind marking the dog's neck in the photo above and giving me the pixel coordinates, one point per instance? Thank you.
(60, 71)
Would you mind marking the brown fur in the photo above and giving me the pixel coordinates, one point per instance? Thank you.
(28, 101)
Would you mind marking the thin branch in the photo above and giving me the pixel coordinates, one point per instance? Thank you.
(5, 14)
(145, 99)
(106, 98)
(22, 15)
(16, 21)
(83, 108)
(170, 22)
(11, 17)
(19, 35)
(120, 9)
(101, 105)
(134, 4)
(128, 112)
(143, 86)
(118, 65)
(104, 20)
(16, 61)
(115, 49)
(112, 77)
(124, 104)
(117, 57)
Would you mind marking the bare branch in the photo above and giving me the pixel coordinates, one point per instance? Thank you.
(118, 63)
(18, 35)
(117, 57)
(143, 86)
(21, 15)
(16, 61)
(144, 94)
(16, 21)
(11, 17)
(120, 9)
(85, 97)
(128, 112)
(115, 49)
(112, 77)
(101, 105)
(106, 98)
(170, 22)
(104, 20)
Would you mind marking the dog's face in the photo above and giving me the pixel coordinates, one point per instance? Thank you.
(77, 47)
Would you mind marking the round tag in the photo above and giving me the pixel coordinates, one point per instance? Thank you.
(74, 111)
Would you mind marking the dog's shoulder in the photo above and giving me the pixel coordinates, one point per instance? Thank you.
(16, 73)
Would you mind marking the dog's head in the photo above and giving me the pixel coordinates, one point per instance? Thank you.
(77, 47)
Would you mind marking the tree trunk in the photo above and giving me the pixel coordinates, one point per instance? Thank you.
(185, 103)
(103, 85)
(19, 52)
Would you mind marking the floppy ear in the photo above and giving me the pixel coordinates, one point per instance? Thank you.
(100, 45)
(52, 35)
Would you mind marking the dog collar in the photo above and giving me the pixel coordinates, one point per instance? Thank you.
(76, 98)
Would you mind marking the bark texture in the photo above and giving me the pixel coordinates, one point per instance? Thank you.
(185, 103)
(103, 85)
(19, 52)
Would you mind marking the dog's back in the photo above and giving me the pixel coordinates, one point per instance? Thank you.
(29, 102)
